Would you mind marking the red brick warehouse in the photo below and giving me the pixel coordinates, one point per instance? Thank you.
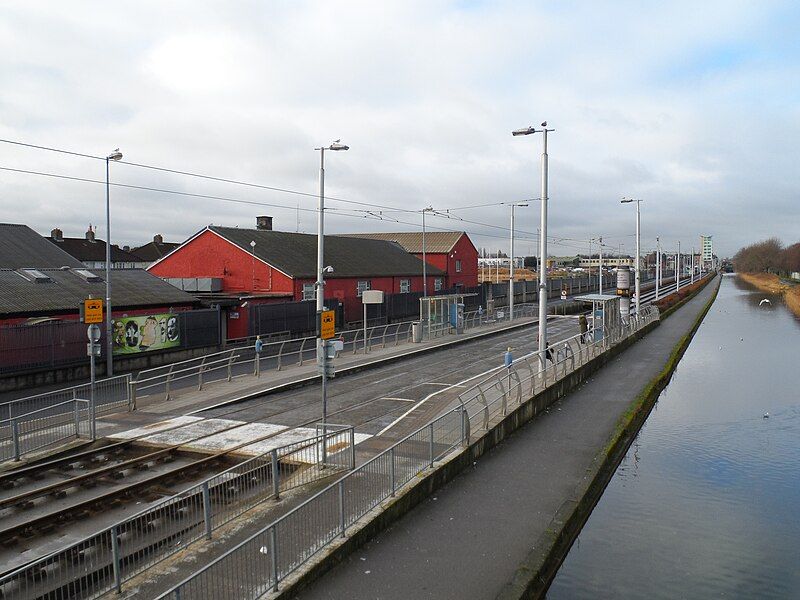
(260, 265)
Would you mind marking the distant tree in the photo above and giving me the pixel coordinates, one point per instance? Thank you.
(760, 257)
(791, 258)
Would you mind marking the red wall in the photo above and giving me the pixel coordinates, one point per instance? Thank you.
(464, 251)
(346, 290)
(208, 255)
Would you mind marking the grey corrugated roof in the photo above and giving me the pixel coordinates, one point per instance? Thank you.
(435, 241)
(93, 251)
(153, 251)
(130, 288)
(296, 254)
(21, 247)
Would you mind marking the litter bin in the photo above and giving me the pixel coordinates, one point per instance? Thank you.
(416, 332)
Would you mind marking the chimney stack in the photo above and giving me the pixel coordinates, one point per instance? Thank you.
(264, 223)
(57, 235)
(90, 233)
(158, 239)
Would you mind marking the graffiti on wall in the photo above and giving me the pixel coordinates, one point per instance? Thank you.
(145, 333)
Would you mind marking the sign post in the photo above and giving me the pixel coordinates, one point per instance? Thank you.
(91, 313)
(564, 299)
(327, 329)
(369, 297)
(93, 350)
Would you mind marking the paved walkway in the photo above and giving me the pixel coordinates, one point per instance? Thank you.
(468, 540)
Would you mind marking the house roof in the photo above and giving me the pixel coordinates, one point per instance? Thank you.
(86, 250)
(67, 288)
(436, 242)
(296, 254)
(154, 250)
(22, 247)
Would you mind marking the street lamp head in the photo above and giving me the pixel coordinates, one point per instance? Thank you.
(338, 146)
(115, 155)
(523, 131)
(328, 269)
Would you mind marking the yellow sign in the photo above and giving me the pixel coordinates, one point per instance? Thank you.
(93, 311)
(327, 324)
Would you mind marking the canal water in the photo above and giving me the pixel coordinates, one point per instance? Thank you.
(706, 504)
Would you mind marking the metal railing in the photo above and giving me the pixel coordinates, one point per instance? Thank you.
(257, 565)
(41, 428)
(102, 562)
(111, 394)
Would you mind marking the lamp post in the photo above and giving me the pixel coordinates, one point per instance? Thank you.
(320, 285)
(638, 253)
(115, 155)
(253, 254)
(600, 265)
(542, 241)
(658, 265)
(692, 276)
(511, 266)
(678, 268)
(424, 254)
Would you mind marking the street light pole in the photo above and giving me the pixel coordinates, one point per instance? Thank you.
(424, 255)
(542, 242)
(511, 267)
(115, 155)
(320, 285)
(692, 264)
(678, 268)
(637, 260)
(600, 267)
(658, 265)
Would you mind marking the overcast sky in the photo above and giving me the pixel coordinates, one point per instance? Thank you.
(692, 106)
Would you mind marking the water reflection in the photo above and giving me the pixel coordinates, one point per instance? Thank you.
(704, 504)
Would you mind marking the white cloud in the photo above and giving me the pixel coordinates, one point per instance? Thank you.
(643, 99)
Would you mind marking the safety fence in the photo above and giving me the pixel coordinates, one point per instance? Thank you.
(257, 566)
(102, 562)
(30, 424)
(24, 434)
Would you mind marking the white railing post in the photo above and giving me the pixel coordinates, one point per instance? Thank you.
(15, 438)
(276, 483)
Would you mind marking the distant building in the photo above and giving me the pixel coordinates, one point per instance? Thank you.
(38, 280)
(707, 251)
(451, 251)
(155, 250)
(92, 252)
(246, 267)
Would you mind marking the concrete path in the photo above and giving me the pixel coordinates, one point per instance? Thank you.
(468, 540)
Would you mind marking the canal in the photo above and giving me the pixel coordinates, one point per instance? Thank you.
(706, 504)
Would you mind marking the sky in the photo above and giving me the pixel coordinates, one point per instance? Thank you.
(691, 106)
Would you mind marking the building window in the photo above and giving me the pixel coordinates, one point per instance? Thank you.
(437, 284)
(405, 286)
(363, 286)
(458, 266)
(308, 291)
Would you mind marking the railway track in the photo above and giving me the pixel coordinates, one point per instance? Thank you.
(110, 464)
